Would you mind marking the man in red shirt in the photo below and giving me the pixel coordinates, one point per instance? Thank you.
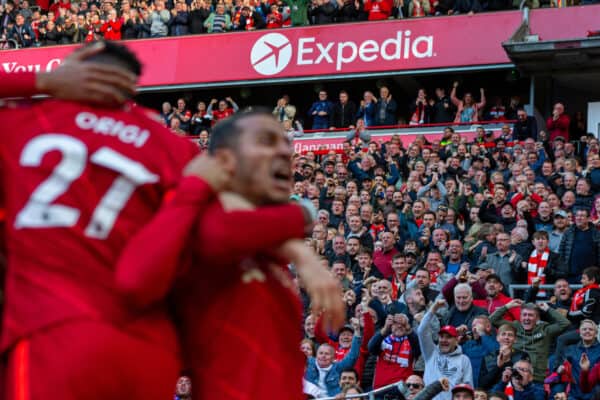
(238, 308)
(496, 299)
(76, 187)
(558, 123)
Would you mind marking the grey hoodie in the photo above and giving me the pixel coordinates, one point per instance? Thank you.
(455, 366)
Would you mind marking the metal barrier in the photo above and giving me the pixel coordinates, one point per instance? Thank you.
(513, 289)
(6, 44)
(369, 395)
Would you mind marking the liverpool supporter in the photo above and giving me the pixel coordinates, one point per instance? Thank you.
(518, 382)
(111, 29)
(386, 107)
(225, 108)
(558, 123)
(63, 315)
(496, 362)
(397, 348)
(533, 336)
(446, 358)
(495, 298)
(467, 109)
(321, 111)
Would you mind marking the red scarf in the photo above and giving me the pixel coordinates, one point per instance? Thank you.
(536, 267)
(397, 350)
(396, 284)
(579, 296)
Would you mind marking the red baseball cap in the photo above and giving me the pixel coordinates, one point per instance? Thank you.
(463, 387)
(450, 330)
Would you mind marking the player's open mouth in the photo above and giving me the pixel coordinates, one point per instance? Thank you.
(282, 174)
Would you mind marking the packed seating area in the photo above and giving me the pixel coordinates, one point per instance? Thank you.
(27, 23)
(429, 240)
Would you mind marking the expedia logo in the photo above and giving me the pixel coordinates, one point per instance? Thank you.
(272, 52)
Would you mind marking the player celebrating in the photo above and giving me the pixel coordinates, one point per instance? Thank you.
(75, 80)
(239, 312)
(78, 182)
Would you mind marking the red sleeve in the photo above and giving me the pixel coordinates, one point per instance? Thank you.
(448, 289)
(320, 334)
(516, 198)
(587, 380)
(18, 85)
(478, 290)
(550, 123)
(117, 25)
(231, 236)
(149, 263)
(368, 332)
(515, 313)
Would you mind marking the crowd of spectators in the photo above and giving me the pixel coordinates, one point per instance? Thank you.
(24, 23)
(426, 240)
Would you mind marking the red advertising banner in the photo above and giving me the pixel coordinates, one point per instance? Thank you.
(369, 47)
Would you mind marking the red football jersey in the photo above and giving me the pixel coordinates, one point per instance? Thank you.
(78, 182)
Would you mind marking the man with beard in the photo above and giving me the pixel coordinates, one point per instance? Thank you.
(235, 297)
(446, 358)
(533, 337)
(560, 224)
(496, 298)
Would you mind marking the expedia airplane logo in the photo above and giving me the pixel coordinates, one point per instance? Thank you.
(271, 54)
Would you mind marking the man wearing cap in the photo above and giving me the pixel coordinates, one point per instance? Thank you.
(496, 298)
(561, 223)
(445, 359)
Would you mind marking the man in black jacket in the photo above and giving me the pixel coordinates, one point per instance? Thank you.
(525, 127)
(344, 112)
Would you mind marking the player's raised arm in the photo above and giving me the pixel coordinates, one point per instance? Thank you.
(149, 263)
(75, 80)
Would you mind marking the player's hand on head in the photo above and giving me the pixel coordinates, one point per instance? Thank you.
(211, 170)
(90, 82)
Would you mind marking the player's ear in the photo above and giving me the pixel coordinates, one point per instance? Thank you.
(227, 159)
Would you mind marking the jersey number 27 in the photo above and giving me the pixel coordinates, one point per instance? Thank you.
(39, 212)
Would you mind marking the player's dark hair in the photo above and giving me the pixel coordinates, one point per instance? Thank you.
(114, 53)
(227, 131)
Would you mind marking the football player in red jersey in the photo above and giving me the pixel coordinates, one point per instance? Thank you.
(239, 314)
(75, 80)
(78, 181)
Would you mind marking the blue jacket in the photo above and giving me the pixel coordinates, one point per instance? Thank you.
(476, 350)
(573, 354)
(367, 113)
(332, 379)
(533, 391)
(390, 113)
(321, 121)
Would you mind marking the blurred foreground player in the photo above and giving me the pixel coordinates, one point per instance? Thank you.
(78, 182)
(238, 310)
(75, 80)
